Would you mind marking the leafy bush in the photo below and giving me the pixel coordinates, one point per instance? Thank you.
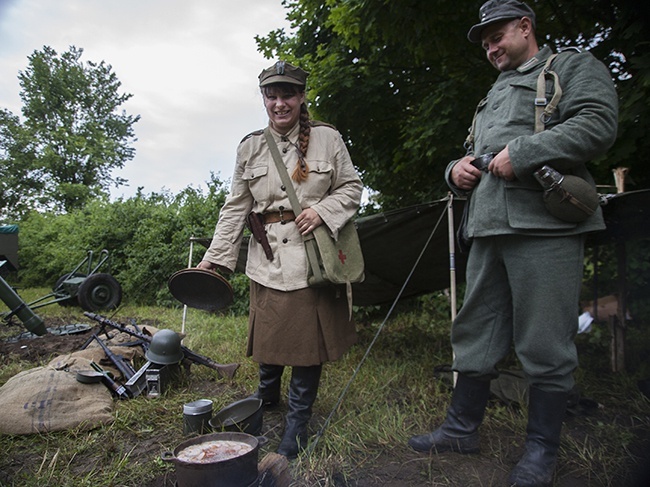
(147, 237)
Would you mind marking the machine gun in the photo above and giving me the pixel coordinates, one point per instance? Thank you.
(227, 371)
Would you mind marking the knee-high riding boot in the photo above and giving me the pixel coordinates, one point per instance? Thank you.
(459, 431)
(268, 389)
(545, 415)
(302, 394)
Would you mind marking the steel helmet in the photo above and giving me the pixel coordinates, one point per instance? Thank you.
(165, 348)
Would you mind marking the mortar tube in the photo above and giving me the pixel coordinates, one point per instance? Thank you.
(18, 307)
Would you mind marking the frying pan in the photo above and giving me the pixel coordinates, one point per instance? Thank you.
(201, 289)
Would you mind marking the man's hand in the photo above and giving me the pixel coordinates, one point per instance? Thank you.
(464, 175)
(501, 166)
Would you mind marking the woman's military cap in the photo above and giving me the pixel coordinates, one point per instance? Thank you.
(283, 72)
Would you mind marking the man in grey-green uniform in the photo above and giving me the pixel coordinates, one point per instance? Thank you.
(524, 269)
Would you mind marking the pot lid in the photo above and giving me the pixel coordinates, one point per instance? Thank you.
(198, 407)
(201, 289)
(237, 411)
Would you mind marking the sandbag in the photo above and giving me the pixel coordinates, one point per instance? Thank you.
(80, 360)
(50, 398)
(44, 399)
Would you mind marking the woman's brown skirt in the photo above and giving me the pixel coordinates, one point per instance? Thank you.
(298, 328)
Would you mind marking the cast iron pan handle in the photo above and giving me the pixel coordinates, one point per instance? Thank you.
(167, 456)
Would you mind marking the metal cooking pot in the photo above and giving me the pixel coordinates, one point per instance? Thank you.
(238, 471)
(244, 416)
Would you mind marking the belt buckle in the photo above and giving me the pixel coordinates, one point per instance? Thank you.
(281, 211)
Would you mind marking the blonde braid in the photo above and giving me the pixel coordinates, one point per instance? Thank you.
(301, 172)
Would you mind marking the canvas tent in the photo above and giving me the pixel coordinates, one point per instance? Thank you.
(9, 246)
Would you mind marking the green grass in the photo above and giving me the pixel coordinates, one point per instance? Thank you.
(394, 395)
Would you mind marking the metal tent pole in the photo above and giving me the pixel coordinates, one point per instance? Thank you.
(189, 264)
(452, 264)
(452, 255)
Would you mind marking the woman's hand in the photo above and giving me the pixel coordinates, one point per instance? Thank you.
(307, 221)
(207, 265)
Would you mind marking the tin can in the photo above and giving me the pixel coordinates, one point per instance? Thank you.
(196, 417)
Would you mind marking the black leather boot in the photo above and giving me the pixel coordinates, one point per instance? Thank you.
(302, 394)
(268, 389)
(545, 415)
(459, 431)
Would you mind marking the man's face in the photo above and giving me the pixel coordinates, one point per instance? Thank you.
(507, 44)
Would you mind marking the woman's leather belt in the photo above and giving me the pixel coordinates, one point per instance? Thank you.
(278, 216)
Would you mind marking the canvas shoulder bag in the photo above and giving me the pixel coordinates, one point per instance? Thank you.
(330, 261)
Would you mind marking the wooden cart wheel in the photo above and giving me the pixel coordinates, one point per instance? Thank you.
(99, 291)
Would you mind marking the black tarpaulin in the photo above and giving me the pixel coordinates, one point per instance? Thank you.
(627, 216)
(392, 242)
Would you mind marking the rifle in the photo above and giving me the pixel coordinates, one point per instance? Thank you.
(227, 371)
(125, 369)
(119, 390)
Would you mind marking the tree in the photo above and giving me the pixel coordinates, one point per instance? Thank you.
(147, 237)
(72, 136)
(18, 187)
(400, 80)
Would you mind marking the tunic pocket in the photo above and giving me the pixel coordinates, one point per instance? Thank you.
(526, 210)
(254, 172)
(521, 102)
(257, 181)
(319, 180)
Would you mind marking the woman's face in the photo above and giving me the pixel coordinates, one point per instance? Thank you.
(282, 107)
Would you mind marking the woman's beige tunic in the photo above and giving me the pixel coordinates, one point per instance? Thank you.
(290, 324)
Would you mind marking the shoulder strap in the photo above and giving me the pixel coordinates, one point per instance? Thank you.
(319, 123)
(310, 241)
(543, 108)
(257, 132)
(469, 141)
(282, 170)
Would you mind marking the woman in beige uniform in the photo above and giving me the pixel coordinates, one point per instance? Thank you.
(290, 324)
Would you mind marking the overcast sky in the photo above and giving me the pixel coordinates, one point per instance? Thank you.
(191, 65)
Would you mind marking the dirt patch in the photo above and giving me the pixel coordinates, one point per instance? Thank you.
(397, 466)
(37, 349)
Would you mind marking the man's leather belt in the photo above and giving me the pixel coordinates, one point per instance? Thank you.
(278, 216)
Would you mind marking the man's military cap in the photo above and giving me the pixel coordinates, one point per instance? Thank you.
(494, 11)
(283, 72)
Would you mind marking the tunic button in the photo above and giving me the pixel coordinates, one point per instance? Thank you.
(284, 240)
(283, 187)
(285, 150)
